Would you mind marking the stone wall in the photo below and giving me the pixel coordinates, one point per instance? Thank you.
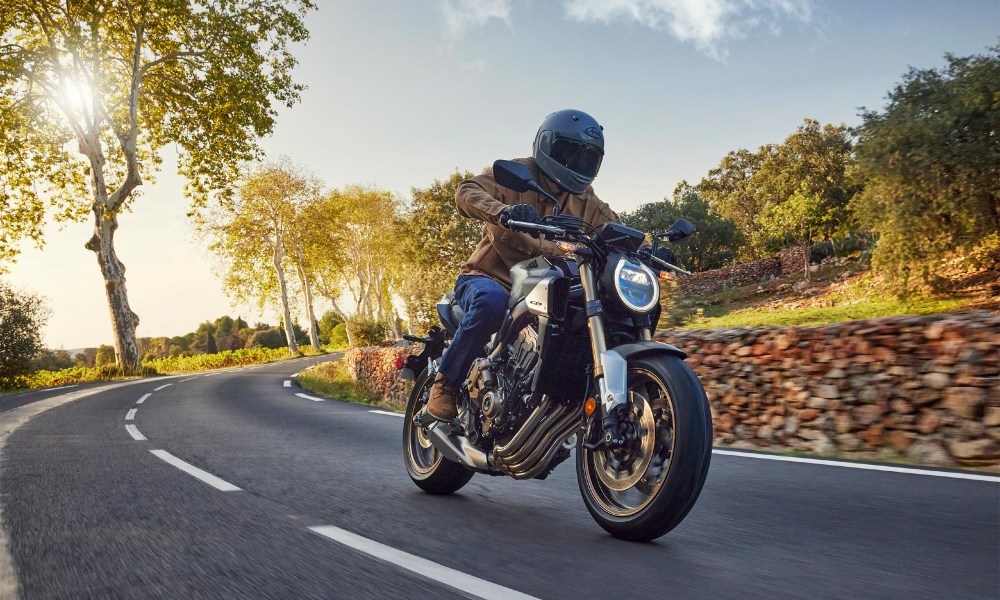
(921, 388)
(787, 262)
(924, 389)
(375, 368)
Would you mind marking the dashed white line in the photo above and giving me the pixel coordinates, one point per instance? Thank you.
(134, 432)
(143, 399)
(204, 476)
(853, 465)
(162, 386)
(288, 383)
(386, 412)
(131, 414)
(462, 582)
(313, 398)
(188, 379)
(62, 387)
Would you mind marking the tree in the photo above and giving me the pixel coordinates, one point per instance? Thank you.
(105, 355)
(930, 160)
(251, 233)
(436, 243)
(122, 80)
(327, 323)
(22, 316)
(717, 242)
(730, 191)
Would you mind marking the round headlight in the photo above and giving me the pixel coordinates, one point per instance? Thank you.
(637, 286)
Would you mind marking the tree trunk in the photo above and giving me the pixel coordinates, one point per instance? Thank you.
(279, 253)
(310, 314)
(123, 320)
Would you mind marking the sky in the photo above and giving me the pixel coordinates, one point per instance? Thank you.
(400, 93)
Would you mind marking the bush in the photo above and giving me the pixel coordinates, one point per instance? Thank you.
(338, 336)
(367, 332)
(220, 360)
(272, 337)
(22, 316)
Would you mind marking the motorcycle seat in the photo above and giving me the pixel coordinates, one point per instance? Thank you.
(449, 311)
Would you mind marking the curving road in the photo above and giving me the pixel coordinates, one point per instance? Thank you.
(256, 492)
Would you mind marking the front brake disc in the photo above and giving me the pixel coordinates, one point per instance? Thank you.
(618, 476)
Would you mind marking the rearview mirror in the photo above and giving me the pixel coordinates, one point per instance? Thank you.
(680, 231)
(513, 176)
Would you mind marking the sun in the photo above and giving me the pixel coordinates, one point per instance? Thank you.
(77, 97)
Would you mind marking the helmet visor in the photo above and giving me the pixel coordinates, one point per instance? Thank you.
(580, 157)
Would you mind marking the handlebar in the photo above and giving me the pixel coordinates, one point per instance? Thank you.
(667, 265)
(526, 227)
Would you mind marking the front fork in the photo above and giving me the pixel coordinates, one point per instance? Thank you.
(610, 369)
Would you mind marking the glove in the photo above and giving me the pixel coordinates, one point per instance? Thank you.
(519, 212)
(664, 254)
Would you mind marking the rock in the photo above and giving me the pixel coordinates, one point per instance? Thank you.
(992, 416)
(868, 394)
(929, 453)
(902, 407)
(964, 401)
(808, 414)
(928, 422)
(873, 435)
(867, 414)
(836, 374)
(827, 391)
(848, 442)
(937, 380)
(822, 445)
(818, 402)
(899, 440)
(843, 423)
(791, 425)
(983, 448)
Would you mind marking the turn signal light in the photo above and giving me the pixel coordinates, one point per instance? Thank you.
(567, 247)
(589, 406)
(666, 275)
(399, 363)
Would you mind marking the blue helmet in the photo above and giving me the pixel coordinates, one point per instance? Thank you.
(569, 148)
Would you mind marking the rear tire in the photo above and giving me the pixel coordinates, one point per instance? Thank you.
(644, 492)
(425, 465)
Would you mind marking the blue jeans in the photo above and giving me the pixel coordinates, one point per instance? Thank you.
(484, 302)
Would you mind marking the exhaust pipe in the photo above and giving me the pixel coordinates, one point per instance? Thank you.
(456, 448)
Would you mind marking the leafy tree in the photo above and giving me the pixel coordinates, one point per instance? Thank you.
(730, 191)
(121, 80)
(51, 360)
(22, 316)
(327, 323)
(87, 358)
(930, 160)
(717, 242)
(105, 355)
(272, 337)
(251, 233)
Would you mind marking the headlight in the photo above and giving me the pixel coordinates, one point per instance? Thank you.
(636, 286)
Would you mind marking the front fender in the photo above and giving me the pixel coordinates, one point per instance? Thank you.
(644, 347)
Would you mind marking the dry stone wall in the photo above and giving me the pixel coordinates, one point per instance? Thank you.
(921, 388)
(787, 262)
(924, 389)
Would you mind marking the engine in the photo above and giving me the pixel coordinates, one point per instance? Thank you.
(500, 387)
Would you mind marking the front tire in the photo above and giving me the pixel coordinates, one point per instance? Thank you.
(425, 465)
(646, 489)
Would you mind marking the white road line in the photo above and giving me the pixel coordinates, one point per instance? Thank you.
(134, 432)
(143, 399)
(852, 465)
(464, 583)
(313, 398)
(131, 414)
(62, 387)
(294, 375)
(288, 383)
(188, 379)
(162, 386)
(385, 412)
(212, 480)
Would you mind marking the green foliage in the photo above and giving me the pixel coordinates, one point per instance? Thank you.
(930, 160)
(717, 242)
(327, 323)
(220, 360)
(332, 380)
(367, 332)
(730, 191)
(338, 336)
(52, 360)
(105, 356)
(44, 378)
(22, 316)
(272, 337)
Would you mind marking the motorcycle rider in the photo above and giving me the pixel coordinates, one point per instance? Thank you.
(566, 157)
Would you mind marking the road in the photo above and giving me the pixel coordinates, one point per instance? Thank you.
(91, 511)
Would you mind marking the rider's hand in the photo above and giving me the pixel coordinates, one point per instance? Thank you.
(519, 212)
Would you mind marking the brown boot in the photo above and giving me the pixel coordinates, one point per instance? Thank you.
(443, 403)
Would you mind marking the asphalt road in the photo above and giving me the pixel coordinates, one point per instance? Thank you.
(91, 512)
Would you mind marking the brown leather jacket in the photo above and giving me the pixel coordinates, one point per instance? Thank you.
(482, 198)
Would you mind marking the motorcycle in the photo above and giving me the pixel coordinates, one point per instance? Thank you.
(573, 365)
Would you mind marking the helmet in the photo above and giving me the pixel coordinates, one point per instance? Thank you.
(569, 147)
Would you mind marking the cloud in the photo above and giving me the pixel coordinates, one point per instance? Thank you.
(462, 15)
(708, 24)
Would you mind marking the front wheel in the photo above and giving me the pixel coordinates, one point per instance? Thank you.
(427, 467)
(645, 489)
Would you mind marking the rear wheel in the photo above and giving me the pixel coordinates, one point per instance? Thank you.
(426, 466)
(645, 489)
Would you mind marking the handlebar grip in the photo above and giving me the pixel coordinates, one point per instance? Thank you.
(526, 227)
(414, 338)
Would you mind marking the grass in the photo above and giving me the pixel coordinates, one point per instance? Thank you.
(331, 380)
(819, 315)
